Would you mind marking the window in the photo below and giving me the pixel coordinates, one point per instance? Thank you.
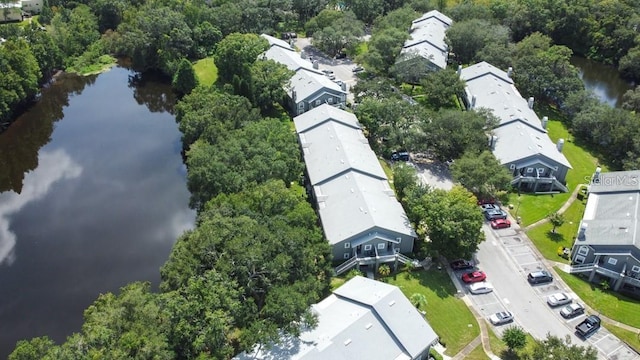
(512, 166)
(635, 269)
(346, 256)
(367, 247)
(580, 259)
(317, 102)
(330, 100)
(584, 250)
(399, 240)
(347, 245)
(381, 246)
(612, 261)
(529, 170)
(540, 171)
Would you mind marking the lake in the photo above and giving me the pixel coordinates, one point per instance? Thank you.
(603, 80)
(92, 196)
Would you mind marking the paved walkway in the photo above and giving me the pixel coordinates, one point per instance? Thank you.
(565, 206)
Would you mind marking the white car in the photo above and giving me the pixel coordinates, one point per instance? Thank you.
(558, 299)
(482, 287)
(500, 318)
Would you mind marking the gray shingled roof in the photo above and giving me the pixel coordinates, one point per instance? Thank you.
(613, 210)
(427, 38)
(362, 319)
(277, 42)
(323, 114)
(516, 141)
(520, 132)
(290, 59)
(306, 83)
(355, 203)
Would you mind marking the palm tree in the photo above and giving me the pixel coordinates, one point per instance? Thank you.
(418, 299)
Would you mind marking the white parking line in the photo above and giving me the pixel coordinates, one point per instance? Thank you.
(530, 263)
(505, 301)
(618, 348)
(604, 337)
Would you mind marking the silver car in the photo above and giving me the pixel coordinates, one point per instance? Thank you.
(571, 311)
(500, 318)
(482, 287)
(558, 299)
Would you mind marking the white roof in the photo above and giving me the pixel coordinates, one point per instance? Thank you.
(427, 38)
(323, 114)
(306, 84)
(354, 204)
(290, 59)
(517, 141)
(520, 133)
(362, 319)
(277, 42)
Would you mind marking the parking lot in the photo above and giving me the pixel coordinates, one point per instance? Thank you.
(342, 68)
(507, 256)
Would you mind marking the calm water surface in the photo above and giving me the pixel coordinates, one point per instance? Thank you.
(603, 80)
(92, 197)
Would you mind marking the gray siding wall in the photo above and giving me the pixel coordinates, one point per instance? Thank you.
(339, 250)
(560, 173)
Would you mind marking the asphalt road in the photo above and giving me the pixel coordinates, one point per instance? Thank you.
(507, 257)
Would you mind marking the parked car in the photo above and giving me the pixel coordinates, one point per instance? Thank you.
(483, 287)
(402, 156)
(572, 310)
(500, 224)
(487, 207)
(461, 264)
(486, 201)
(539, 277)
(327, 72)
(589, 326)
(495, 214)
(500, 318)
(474, 276)
(341, 55)
(558, 299)
(357, 69)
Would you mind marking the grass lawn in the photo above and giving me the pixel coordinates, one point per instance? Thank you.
(631, 338)
(387, 171)
(610, 304)
(536, 207)
(548, 242)
(448, 316)
(499, 348)
(477, 354)
(206, 71)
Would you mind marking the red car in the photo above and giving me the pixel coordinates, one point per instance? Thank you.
(500, 224)
(475, 276)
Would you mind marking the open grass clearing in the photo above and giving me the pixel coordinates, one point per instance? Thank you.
(548, 242)
(532, 208)
(206, 71)
(448, 315)
(610, 304)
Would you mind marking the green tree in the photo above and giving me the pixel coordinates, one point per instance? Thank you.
(324, 19)
(450, 220)
(19, 75)
(185, 79)
(210, 114)
(383, 49)
(515, 338)
(418, 300)
(46, 14)
(404, 178)
(555, 348)
(556, 219)
(630, 64)
(467, 38)
(451, 133)
(34, 349)
(236, 53)
(75, 30)
(631, 100)
(343, 33)
(384, 270)
(482, 174)
(442, 88)
(306, 9)
(366, 10)
(269, 80)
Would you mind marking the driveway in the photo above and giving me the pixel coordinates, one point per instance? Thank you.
(507, 256)
(342, 68)
(432, 173)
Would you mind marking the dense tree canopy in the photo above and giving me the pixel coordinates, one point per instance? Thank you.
(482, 174)
(236, 53)
(342, 31)
(450, 221)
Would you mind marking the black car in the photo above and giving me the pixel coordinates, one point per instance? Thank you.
(494, 214)
(539, 277)
(402, 156)
(461, 264)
